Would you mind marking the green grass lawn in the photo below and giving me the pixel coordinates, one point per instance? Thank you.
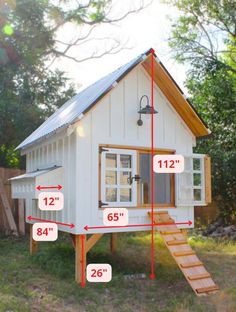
(45, 281)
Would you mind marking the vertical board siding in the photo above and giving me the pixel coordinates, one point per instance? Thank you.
(144, 88)
(84, 169)
(111, 121)
(27, 162)
(63, 156)
(59, 152)
(160, 137)
(169, 134)
(130, 105)
(125, 113)
(100, 121)
(66, 180)
(117, 113)
(73, 175)
(92, 189)
(33, 160)
(109, 118)
(114, 121)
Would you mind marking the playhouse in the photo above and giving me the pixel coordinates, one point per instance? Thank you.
(97, 147)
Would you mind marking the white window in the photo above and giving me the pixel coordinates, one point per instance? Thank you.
(118, 167)
(193, 185)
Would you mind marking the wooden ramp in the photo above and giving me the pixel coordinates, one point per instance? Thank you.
(187, 260)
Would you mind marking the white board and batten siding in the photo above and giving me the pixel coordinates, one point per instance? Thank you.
(59, 150)
(113, 121)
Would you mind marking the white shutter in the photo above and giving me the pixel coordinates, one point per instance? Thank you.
(114, 186)
(184, 184)
(199, 180)
(190, 184)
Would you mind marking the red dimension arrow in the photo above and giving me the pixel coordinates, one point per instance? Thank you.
(39, 187)
(152, 274)
(82, 237)
(71, 225)
(134, 225)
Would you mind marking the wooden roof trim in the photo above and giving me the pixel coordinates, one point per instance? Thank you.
(178, 87)
(175, 96)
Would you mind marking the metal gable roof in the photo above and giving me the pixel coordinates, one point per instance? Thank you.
(80, 103)
(72, 110)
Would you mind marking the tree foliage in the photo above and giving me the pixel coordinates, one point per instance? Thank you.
(204, 39)
(29, 90)
(204, 32)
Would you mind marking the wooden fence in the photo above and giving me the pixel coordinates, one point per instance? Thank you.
(204, 215)
(12, 214)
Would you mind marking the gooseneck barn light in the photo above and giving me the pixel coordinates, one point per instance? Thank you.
(147, 110)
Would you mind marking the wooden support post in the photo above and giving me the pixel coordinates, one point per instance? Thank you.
(80, 259)
(113, 242)
(33, 243)
(21, 216)
(82, 246)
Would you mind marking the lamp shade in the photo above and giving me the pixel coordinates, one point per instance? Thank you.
(147, 110)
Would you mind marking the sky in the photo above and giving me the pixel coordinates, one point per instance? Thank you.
(138, 32)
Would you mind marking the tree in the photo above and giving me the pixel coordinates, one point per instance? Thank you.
(204, 32)
(29, 90)
(204, 39)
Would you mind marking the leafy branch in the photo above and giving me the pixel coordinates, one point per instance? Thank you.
(193, 35)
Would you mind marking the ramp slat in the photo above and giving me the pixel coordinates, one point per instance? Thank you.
(176, 242)
(170, 232)
(207, 289)
(191, 264)
(198, 276)
(184, 253)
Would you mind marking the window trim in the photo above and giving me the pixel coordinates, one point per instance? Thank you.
(138, 150)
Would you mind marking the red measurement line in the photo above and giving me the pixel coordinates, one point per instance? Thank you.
(83, 264)
(71, 225)
(152, 275)
(39, 187)
(134, 225)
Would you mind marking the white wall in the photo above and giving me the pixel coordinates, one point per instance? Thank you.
(114, 121)
(59, 150)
